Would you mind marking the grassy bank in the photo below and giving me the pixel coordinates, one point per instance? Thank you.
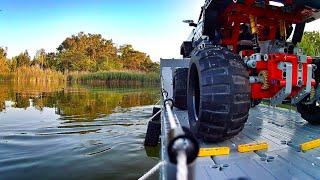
(6, 76)
(33, 74)
(112, 78)
(115, 78)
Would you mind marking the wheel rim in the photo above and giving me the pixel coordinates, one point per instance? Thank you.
(195, 108)
(195, 91)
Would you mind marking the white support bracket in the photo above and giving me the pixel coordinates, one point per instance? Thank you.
(305, 91)
(286, 68)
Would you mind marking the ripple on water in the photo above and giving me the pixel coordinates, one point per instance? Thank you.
(86, 148)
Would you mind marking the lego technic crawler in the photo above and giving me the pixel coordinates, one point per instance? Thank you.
(242, 52)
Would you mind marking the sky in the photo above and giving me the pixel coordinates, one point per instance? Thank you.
(154, 27)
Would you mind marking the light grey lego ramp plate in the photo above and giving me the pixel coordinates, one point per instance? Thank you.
(282, 129)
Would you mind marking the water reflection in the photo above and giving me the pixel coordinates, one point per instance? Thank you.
(58, 131)
(75, 103)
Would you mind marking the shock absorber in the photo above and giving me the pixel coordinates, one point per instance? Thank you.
(283, 30)
(254, 30)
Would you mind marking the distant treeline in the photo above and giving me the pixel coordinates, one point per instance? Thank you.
(81, 52)
(94, 57)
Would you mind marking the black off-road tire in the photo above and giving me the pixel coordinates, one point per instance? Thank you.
(180, 88)
(218, 94)
(310, 113)
(186, 49)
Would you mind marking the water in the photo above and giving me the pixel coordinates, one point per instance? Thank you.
(73, 132)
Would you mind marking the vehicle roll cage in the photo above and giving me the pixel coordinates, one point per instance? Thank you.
(266, 21)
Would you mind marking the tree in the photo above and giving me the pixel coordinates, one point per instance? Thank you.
(150, 66)
(84, 52)
(96, 53)
(13, 64)
(23, 59)
(74, 61)
(3, 52)
(52, 61)
(135, 60)
(40, 59)
(4, 68)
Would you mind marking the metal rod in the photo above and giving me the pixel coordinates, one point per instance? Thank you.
(168, 105)
(182, 147)
(172, 121)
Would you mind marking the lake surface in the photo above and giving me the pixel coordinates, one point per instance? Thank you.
(54, 131)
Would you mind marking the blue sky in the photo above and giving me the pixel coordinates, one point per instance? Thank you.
(154, 27)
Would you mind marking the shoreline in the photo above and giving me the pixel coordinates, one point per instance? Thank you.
(129, 78)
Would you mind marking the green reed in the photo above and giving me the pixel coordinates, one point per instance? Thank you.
(36, 74)
(115, 77)
(33, 74)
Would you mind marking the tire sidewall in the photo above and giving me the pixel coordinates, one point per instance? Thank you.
(193, 122)
(180, 88)
(310, 113)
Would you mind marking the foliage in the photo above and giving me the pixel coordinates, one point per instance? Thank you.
(51, 61)
(86, 52)
(37, 74)
(23, 59)
(134, 60)
(40, 59)
(91, 52)
(4, 67)
(311, 43)
(81, 53)
(117, 77)
(74, 61)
